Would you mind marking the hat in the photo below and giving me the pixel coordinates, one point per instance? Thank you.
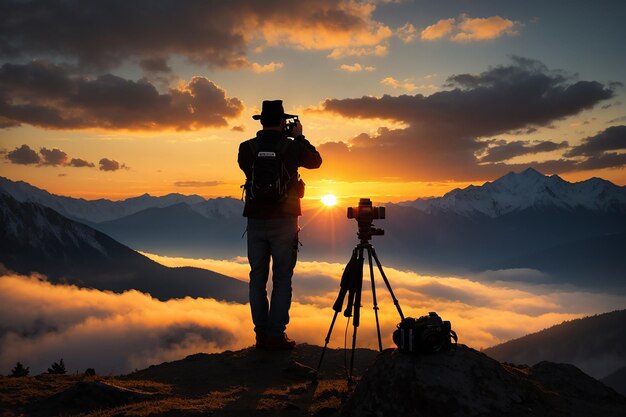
(273, 109)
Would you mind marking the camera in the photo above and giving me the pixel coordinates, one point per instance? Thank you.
(365, 212)
(289, 125)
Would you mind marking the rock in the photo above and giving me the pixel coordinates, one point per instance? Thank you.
(465, 382)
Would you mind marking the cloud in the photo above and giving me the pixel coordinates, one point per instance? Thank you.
(395, 84)
(215, 33)
(407, 33)
(271, 67)
(502, 150)
(80, 163)
(41, 322)
(43, 94)
(155, 65)
(444, 130)
(197, 183)
(110, 165)
(23, 155)
(53, 157)
(468, 29)
(437, 30)
(611, 139)
(356, 68)
(47, 157)
(378, 50)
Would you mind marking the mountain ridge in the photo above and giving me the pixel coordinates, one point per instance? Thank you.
(35, 238)
(517, 191)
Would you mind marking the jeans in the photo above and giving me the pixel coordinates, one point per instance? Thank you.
(278, 239)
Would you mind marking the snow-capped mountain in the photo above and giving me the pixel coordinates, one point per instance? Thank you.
(34, 238)
(518, 191)
(96, 211)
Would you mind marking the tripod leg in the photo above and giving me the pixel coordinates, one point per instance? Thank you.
(393, 297)
(358, 287)
(330, 330)
(369, 258)
(352, 354)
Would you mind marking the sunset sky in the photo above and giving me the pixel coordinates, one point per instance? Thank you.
(402, 98)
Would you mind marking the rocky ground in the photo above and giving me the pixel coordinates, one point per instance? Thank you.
(250, 382)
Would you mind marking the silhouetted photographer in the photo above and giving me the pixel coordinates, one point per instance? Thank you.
(273, 190)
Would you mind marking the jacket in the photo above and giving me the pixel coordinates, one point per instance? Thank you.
(299, 153)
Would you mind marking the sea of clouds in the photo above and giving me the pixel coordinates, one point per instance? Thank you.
(41, 322)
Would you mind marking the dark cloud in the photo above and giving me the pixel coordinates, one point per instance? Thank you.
(23, 155)
(444, 132)
(155, 65)
(46, 157)
(238, 128)
(111, 165)
(503, 150)
(197, 183)
(611, 139)
(53, 157)
(103, 34)
(80, 163)
(43, 94)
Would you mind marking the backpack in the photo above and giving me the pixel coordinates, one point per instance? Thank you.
(427, 334)
(270, 179)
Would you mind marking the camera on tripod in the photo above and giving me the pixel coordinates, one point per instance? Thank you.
(364, 214)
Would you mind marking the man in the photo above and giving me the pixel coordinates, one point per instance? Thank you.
(272, 208)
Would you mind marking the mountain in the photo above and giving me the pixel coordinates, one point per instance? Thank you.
(572, 232)
(515, 192)
(209, 229)
(251, 382)
(91, 211)
(595, 344)
(616, 380)
(34, 238)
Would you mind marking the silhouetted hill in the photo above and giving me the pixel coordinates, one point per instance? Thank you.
(468, 383)
(34, 238)
(252, 382)
(596, 344)
(616, 380)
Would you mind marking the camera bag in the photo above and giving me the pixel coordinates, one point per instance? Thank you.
(426, 334)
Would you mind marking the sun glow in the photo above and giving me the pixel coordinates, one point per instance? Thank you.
(329, 200)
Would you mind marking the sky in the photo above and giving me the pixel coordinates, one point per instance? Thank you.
(403, 99)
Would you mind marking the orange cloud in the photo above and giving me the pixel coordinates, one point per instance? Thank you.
(271, 67)
(356, 68)
(482, 29)
(378, 50)
(115, 333)
(437, 30)
(470, 29)
(395, 84)
(407, 33)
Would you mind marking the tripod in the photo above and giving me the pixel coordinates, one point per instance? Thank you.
(352, 284)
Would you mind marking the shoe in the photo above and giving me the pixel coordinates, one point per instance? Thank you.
(281, 342)
(261, 340)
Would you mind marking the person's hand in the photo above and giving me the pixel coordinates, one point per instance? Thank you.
(297, 129)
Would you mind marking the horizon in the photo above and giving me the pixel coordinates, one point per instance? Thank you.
(309, 202)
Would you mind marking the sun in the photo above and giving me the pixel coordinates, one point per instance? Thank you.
(329, 200)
